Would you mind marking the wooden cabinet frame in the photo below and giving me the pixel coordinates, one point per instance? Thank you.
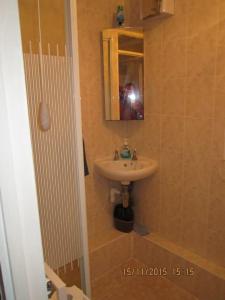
(111, 54)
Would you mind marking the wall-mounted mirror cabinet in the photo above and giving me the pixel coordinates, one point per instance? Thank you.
(123, 54)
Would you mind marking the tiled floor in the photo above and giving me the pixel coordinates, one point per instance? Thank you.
(116, 286)
(70, 274)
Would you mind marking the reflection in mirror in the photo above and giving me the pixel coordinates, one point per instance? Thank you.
(131, 88)
(123, 74)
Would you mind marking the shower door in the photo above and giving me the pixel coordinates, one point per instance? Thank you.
(47, 39)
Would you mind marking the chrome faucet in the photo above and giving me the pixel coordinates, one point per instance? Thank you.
(134, 156)
(116, 155)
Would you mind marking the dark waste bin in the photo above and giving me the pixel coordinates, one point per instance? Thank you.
(123, 218)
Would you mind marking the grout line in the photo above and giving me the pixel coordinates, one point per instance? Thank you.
(179, 251)
(160, 140)
(123, 235)
(212, 132)
(184, 138)
(110, 271)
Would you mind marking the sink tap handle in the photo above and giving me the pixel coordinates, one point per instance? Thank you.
(134, 156)
(116, 155)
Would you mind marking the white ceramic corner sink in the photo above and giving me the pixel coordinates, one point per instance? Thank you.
(125, 171)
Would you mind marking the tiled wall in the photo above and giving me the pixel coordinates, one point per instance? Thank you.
(187, 270)
(184, 128)
(161, 259)
(101, 137)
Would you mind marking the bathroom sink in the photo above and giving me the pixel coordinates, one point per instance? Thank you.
(125, 171)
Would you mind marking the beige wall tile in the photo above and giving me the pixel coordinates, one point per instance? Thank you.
(196, 173)
(218, 138)
(220, 60)
(200, 93)
(170, 216)
(151, 131)
(198, 134)
(202, 16)
(154, 60)
(219, 96)
(221, 40)
(145, 135)
(172, 133)
(217, 198)
(153, 33)
(152, 94)
(193, 235)
(216, 246)
(192, 112)
(183, 128)
(179, 21)
(132, 13)
(147, 202)
(173, 96)
(201, 54)
(174, 58)
(216, 214)
(171, 168)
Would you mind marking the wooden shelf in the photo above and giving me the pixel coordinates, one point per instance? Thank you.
(130, 53)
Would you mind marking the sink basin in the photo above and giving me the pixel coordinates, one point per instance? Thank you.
(125, 171)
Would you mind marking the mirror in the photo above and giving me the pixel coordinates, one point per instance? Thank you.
(123, 59)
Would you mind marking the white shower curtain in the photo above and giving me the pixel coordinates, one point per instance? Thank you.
(54, 158)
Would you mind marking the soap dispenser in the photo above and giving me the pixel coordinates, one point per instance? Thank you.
(125, 152)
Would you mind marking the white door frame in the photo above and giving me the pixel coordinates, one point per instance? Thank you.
(4, 259)
(19, 227)
(17, 181)
(80, 183)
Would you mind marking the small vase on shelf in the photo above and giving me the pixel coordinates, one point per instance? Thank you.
(120, 16)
